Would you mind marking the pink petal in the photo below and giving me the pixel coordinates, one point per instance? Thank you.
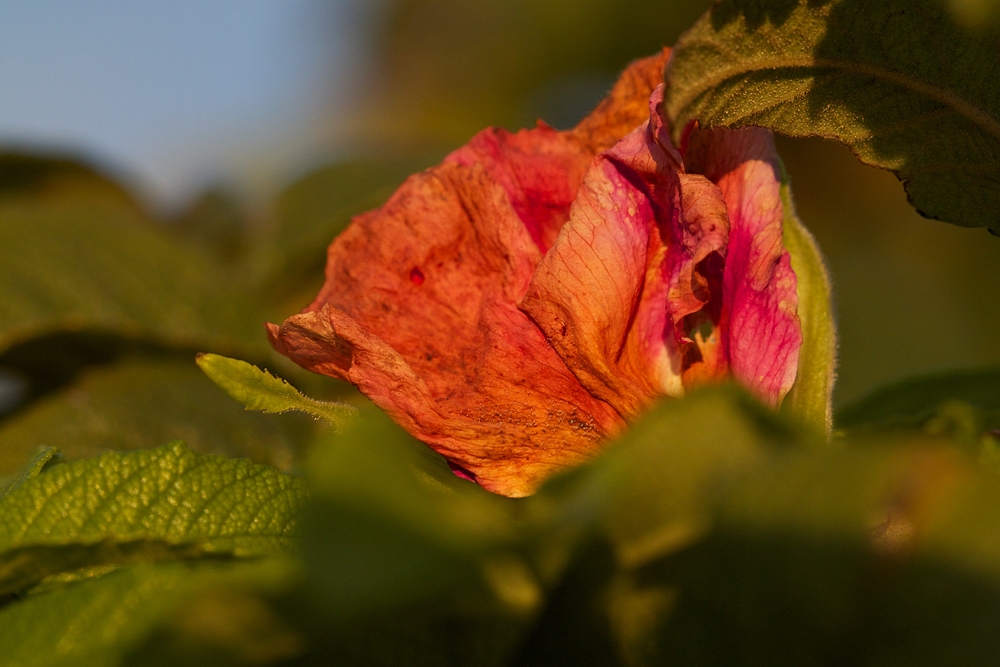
(760, 325)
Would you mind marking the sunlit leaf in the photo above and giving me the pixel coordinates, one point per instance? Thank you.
(906, 84)
(259, 390)
(157, 504)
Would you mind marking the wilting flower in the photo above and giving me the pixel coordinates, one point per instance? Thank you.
(517, 304)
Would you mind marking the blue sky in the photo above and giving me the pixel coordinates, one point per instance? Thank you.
(175, 93)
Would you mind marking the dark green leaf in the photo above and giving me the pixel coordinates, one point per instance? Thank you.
(408, 564)
(645, 498)
(904, 83)
(874, 557)
(962, 406)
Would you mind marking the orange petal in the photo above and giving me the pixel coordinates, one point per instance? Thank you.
(422, 292)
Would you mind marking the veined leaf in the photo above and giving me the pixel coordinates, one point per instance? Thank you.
(151, 504)
(905, 83)
(140, 404)
(259, 390)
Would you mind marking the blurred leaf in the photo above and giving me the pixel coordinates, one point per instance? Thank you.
(139, 404)
(900, 81)
(259, 390)
(406, 563)
(32, 177)
(74, 268)
(811, 397)
(866, 556)
(645, 498)
(164, 503)
(99, 621)
(312, 211)
(962, 406)
(647, 492)
(913, 401)
(216, 222)
(464, 65)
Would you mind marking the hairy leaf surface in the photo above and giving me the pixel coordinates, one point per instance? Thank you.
(906, 84)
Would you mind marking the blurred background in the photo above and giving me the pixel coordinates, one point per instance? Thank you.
(247, 97)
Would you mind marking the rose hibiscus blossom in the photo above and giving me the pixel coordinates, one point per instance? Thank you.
(517, 304)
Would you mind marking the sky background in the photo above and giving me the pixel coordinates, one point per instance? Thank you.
(177, 93)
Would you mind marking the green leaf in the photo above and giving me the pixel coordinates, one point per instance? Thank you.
(647, 492)
(811, 397)
(139, 404)
(29, 177)
(961, 406)
(155, 504)
(259, 390)
(406, 563)
(902, 82)
(108, 620)
(69, 267)
(877, 556)
(645, 498)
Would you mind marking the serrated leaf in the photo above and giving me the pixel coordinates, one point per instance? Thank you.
(261, 391)
(140, 404)
(160, 503)
(903, 82)
(70, 267)
(811, 397)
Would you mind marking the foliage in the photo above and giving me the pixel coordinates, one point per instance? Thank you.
(714, 531)
(863, 73)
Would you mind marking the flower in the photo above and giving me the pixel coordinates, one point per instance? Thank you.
(517, 304)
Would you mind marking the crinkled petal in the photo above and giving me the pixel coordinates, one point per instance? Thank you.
(422, 293)
(761, 333)
(540, 169)
(626, 106)
(600, 295)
